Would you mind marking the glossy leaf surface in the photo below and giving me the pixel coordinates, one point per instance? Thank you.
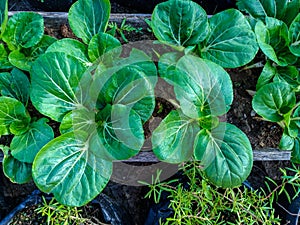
(15, 85)
(226, 155)
(102, 43)
(294, 35)
(273, 101)
(56, 79)
(120, 131)
(24, 29)
(71, 47)
(71, 169)
(13, 116)
(179, 22)
(231, 42)
(173, 139)
(25, 147)
(16, 171)
(273, 39)
(96, 15)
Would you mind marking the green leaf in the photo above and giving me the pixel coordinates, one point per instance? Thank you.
(13, 116)
(4, 62)
(292, 10)
(226, 154)
(284, 10)
(167, 65)
(129, 86)
(3, 15)
(231, 42)
(15, 85)
(16, 171)
(96, 15)
(202, 87)
(24, 29)
(78, 119)
(71, 169)
(25, 147)
(294, 36)
(273, 101)
(56, 84)
(286, 141)
(23, 58)
(173, 139)
(295, 157)
(104, 43)
(121, 132)
(71, 47)
(257, 8)
(271, 72)
(273, 39)
(179, 22)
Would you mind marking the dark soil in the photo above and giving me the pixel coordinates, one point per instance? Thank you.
(23, 5)
(261, 134)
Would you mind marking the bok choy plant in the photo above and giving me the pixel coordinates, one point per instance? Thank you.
(203, 88)
(277, 28)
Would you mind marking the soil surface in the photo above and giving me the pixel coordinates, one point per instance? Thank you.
(261, 134)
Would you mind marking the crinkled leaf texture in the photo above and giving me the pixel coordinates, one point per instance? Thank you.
(25, 147)
(15, 85)
(294, 36)
(225, 153)
(96, 15)
(24, 29)
(231, 42)
(56, 84)
(72, 168)
(273, 39)
(179, 22)
(201, 86)
(13, 116)
(274, 100)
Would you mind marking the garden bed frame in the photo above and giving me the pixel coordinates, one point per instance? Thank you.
(53, 20)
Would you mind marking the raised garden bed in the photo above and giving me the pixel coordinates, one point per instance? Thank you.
(264, 136)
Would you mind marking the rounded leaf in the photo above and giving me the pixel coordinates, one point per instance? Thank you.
(173, 139)
(13, 116)
(55, 81)
(294, 36)
(70, 169)
(201, 87)
(120, 131)
(88, 18)
(104, 43)
(16, 171)
(71, 47)
(226, 155)
(24, 29)
(273, 101)
(25, 147)
(179, 22)
(231, 42)
(273, 40)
